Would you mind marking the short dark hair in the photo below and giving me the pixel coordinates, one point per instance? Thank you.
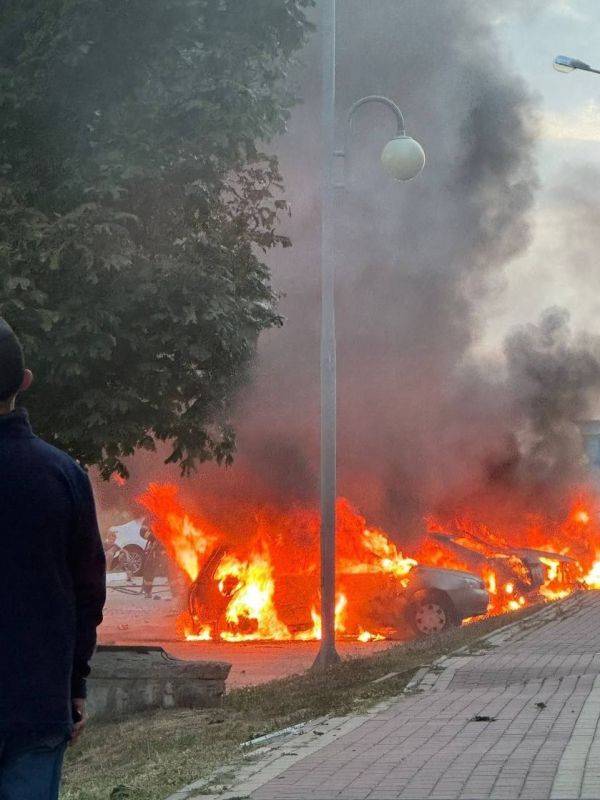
(12, 364)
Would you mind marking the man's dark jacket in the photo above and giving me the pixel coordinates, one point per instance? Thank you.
(52, 578)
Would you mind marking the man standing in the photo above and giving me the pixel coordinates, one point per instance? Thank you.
(52, 591)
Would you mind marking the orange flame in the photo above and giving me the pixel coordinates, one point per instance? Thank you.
(204, 635)
(365, 636)
(316, 631)
(251, 604)
(249, 564)
(187, 540)
(592, 579)
(389, 560)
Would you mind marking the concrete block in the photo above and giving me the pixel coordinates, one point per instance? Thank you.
(126, 679)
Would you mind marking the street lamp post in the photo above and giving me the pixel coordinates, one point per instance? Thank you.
(403, 158)
(568, 64)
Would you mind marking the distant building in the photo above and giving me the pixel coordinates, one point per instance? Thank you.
(590, 430)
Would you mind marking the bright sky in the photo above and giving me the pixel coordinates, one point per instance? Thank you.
(561, 265)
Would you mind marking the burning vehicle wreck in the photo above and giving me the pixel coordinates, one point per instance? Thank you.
(427, 599)
(252, 573)
(513, 576)
(260, 578)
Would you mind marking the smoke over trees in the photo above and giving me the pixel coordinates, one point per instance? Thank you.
(425, 427)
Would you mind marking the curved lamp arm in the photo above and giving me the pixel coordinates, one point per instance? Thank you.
(376, 98)
(340, 155)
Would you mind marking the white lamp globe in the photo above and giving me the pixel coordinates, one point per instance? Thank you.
(403, 158)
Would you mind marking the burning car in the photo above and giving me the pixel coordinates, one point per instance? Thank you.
(252, 572)
(428, 599)
(257, 577)
(438, 598)
(513, 575)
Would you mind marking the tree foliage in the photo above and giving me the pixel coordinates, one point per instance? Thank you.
(135, 207)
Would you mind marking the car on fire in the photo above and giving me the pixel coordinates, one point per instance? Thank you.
(429, 599)
(435, 599)
(519, 572)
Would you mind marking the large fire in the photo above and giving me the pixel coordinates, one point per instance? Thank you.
(261, 579)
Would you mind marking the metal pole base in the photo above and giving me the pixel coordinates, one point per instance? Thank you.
(327, 657)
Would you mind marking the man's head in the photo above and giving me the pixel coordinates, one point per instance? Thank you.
(14, 377)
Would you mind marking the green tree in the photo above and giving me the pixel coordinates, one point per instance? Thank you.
(135, 208)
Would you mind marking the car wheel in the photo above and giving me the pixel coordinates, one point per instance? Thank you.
(431, 613)
(135, 557)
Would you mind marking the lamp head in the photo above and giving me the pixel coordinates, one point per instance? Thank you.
(568, 64)
(403, 158)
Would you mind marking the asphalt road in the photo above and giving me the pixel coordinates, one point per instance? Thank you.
(131, 619)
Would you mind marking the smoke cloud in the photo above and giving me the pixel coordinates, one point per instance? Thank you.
(423, 427)
(554, 376)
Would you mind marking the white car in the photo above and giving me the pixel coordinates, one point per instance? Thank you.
(129, 539)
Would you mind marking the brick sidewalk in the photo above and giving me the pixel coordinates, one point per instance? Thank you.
(540, 684)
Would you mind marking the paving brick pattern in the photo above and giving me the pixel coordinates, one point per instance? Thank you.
(539, 684)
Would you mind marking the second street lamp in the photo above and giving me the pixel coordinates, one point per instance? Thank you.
(403, 158)
(568, 64)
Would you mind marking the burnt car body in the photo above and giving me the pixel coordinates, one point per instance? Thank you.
(435, 595)
(568, 569)
(428, 599)
(525, 569)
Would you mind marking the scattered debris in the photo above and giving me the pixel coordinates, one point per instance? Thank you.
(411, 671)
(482, 718)
(386, 677)
(541, 705)
(292, 729)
